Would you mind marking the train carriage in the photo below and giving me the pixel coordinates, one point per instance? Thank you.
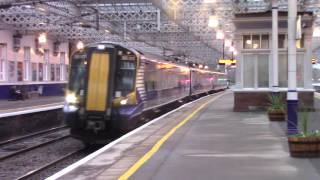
(111, 87)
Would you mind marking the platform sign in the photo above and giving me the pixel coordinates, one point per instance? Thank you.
(227, 62)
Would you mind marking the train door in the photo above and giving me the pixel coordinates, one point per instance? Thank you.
(98, 82)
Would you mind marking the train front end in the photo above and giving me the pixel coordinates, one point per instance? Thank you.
(101, 87)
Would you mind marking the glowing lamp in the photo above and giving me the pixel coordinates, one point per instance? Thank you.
(316, 32)
(209, 1)
(42, 38)
(71, 98)
(231, 49)
(235, 52)
(227, 43)
(248, 41)
(80, 45)
(213, 21)
(219, 35)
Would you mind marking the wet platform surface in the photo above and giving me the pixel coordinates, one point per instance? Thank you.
(217, 144)
(20, 105)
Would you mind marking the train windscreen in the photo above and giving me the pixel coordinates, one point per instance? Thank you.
(126, 76)
(77, 73)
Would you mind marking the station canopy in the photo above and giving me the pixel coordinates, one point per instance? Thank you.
(178, 27)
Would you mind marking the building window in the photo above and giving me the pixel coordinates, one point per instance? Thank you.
(247, 42)
(27, 58)
(58, 73)
(46, 65)
(282, 41)
(3, 61)
(283, 70)
(12, 71)
(40, 70)
(63, 66)
(20, 71)
(34, 71)
(52, 72)
(248, 70)
(263, 70)
(256, 41)
(255, 70)
(264, 41)
(300, 72)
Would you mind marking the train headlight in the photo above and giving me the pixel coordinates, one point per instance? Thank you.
(124, 101)
(71, 98)
(69, 108)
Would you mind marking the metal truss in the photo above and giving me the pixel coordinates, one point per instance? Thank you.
(155, 26)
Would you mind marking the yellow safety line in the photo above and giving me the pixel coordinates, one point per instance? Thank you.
(157, 146)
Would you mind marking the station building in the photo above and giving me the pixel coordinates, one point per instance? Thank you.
(255, 67)
(37, 68)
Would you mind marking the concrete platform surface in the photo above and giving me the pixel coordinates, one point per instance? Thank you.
(13, 106)
(216, 144)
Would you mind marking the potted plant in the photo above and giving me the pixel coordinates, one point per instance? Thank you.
(276, 111)
(306, 143)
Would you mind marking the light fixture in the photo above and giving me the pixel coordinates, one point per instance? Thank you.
(232, 49)
(27, 6)
(255, 46)
(219, 34)
(124, 101)
(107, 31)
(209, 1)
(200, 66)
(235, 52)
(227, 43)
(80, 45)
(71, 98)
(206, 67)
(101, 47)
(42, 38)
(213, 21)
(248, 41)
(41, 9)
(316, 32)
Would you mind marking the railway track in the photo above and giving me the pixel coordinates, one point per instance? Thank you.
(37, 171)
(2, 143)
(38, 155)
(27, 143)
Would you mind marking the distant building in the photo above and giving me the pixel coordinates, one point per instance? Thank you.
(32, 66)
(254, 71)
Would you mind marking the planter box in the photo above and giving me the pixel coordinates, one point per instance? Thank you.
(277, 115)
(304, 146)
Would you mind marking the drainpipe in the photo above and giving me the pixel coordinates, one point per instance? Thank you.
(275, 77)
(292, 95)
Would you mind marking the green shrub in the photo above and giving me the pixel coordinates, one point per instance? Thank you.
(275, 102)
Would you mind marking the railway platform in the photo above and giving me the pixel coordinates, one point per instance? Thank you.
(204, 139)
(13, 108)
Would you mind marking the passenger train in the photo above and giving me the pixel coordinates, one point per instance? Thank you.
(111, 87)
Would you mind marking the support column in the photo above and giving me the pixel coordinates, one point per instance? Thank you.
(275, 70)
(292, 95)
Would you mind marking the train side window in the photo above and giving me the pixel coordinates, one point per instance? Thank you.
(126, 76)
(78, 73)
